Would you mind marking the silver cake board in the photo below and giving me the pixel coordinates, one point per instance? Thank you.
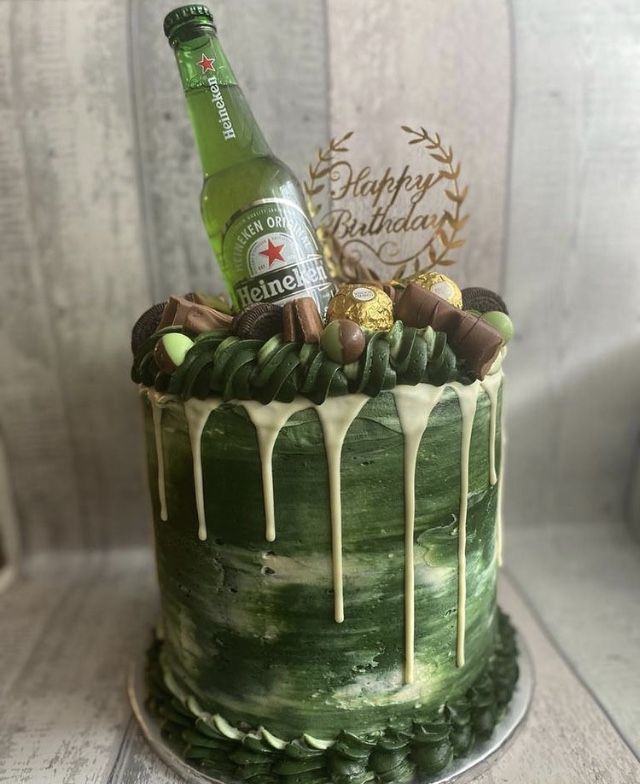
(481, 752)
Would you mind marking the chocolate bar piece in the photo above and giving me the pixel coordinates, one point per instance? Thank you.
(301, 321)
(471, 338)
(184, 312)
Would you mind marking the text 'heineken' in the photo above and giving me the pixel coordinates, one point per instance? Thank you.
(252, 205)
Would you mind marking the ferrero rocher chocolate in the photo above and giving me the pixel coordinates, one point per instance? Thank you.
(366, 305)
(440, 284)
(392, 288)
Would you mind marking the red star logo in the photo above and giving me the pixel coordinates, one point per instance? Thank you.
(206, 63)
(273, 252)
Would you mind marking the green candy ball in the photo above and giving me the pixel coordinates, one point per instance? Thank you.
(176, 347)
(500, 322)
(343, 341)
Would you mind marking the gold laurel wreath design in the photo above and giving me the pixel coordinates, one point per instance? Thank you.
(331, 249)
(455, 194)
(345, 266)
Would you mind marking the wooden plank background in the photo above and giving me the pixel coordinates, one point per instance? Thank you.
(573, 269)
(99, 206)
(99, 217)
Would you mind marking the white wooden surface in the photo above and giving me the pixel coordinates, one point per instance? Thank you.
(99, 208)
(74, 623)
(583, 580)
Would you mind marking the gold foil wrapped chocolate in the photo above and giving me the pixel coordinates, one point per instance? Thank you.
(367, 305)
(440, 284)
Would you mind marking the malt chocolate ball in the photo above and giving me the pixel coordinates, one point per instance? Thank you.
(343, 341)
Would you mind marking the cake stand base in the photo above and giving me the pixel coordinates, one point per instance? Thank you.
(481, 752)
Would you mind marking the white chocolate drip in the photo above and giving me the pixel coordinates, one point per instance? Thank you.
(468, 397)
(499, 523)
(156, 401)
(268, 421)
(336, 415)
(491, 385)
(197, 413)
(414, 406)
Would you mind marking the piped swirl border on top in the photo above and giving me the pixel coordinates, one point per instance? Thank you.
(243, 369)
(397, 754)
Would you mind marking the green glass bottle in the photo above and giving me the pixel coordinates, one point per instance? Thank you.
(252, 204)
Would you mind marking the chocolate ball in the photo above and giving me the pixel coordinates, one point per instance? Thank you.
(343, 341)
(439, 284)
(171, 350)
(500, 322)
(363, 303)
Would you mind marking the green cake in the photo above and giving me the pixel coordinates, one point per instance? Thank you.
(328, 538)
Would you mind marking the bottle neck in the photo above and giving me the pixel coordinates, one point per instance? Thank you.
(225, 129)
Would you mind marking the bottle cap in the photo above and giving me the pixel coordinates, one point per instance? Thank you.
(184, 15)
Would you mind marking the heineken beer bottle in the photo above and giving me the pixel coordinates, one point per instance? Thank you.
(252, 205)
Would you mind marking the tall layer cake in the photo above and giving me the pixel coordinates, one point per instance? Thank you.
(328, 536)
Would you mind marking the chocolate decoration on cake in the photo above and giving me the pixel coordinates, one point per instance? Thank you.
(146, 325)
(476, 343)
(472, 339)
(343, 341)
(258, 321)
(501, 322)
(200, 318)
(391, 288)
(174, 310)
(301, 321)
(482, 300)
(420, 307)
(186, 312)
(366, 304)
(439, 284)
(171, 350)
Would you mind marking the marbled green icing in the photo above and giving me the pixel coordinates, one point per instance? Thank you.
(249, 624)
(424, 746)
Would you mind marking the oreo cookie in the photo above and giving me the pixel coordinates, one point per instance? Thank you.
(146, 325)
(259, 321)
(482, 300)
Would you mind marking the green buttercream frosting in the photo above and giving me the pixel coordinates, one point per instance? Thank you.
(249, 624)
(242, 369)
(254, 678)
(423, 747)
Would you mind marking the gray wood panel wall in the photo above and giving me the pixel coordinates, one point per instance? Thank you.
(573, 266)
(99, 217)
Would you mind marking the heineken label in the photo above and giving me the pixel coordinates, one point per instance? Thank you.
(272, 250)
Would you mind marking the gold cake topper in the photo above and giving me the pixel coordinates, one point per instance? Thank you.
(374, 225)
